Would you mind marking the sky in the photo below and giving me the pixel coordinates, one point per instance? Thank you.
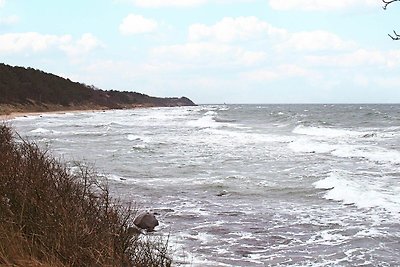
(212, 51)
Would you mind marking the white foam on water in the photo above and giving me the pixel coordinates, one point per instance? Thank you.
(25, 118)
(43, 131)
(244, 137)
(370, 233)
(304, 145)
(327, 132)
(224, 108)
(361, 191)
(210, 113)
(40, 130)
(152, 116)
(115, 177)
(205, 122)
(210, 119)
(328, 237)
(371, 153)
(132, 137)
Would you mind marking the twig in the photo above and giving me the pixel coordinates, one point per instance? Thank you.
(395, 37)
(388, 2)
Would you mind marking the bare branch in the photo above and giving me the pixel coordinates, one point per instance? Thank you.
(395, 37)
(388, 2)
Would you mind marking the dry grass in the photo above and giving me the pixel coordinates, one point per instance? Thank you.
(50, 217)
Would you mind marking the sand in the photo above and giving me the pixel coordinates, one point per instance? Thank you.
(14, 115)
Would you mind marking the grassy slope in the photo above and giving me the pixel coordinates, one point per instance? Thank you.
(50, 217)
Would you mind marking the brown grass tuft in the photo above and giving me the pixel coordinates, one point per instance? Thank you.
(50, 217)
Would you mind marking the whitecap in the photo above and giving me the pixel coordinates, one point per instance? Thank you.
(132, 137)
(43, 131)
(115, 177)
(224, 136)
(204, 122)
(26, 118)
(328, 237)
(309, 146)
(359, 191)
(327, 132)
(210, 113)
(371, 153)
(218, 119)
(224, 108)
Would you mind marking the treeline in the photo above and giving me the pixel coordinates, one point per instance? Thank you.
(28, 86)
(24, 86)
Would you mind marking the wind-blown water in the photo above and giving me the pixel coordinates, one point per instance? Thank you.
(248, 185)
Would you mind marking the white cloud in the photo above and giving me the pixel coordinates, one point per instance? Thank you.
(181, 3)
(209, 54)
(35, 42)
(358, 58)
(283, 71)
(234, 29)
(165, 3)
(85, 44)
(30, 42)
(2, 2)
(376, 81)
(388, 82)
(137, 24)
(9, 20)
(314, 5)
(230, 30)
(316, 41)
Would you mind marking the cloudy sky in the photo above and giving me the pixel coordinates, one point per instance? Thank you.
(213, 51)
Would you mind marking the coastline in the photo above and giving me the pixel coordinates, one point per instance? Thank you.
(8, 113)
(13, 115)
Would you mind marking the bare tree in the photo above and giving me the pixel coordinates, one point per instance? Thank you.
(385, 5)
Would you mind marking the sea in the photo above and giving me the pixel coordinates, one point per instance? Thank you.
(248, 185)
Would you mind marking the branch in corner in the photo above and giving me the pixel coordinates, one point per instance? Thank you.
(395, 37)
(388, 2)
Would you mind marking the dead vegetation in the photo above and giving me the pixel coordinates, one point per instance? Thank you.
(50, 217)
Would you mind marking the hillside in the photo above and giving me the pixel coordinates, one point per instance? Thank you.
(52, 217)
(28, 89)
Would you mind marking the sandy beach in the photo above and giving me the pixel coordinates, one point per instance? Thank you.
(13, 115)
(57, 110)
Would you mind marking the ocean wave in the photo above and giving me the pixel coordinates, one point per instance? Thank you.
(225, 136)
(114, 177)
(204, 122)
(211, 120)
(359, 191)
(330, 132)
(218, 119)
(138, 138)
(309, 146)
(371, 153)
(44, 131)
(26, 118)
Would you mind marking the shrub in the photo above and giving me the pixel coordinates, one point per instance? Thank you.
(51, 217)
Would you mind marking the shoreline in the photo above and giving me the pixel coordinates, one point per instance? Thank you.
(16, 113)
(12, 111)
(13, 115)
